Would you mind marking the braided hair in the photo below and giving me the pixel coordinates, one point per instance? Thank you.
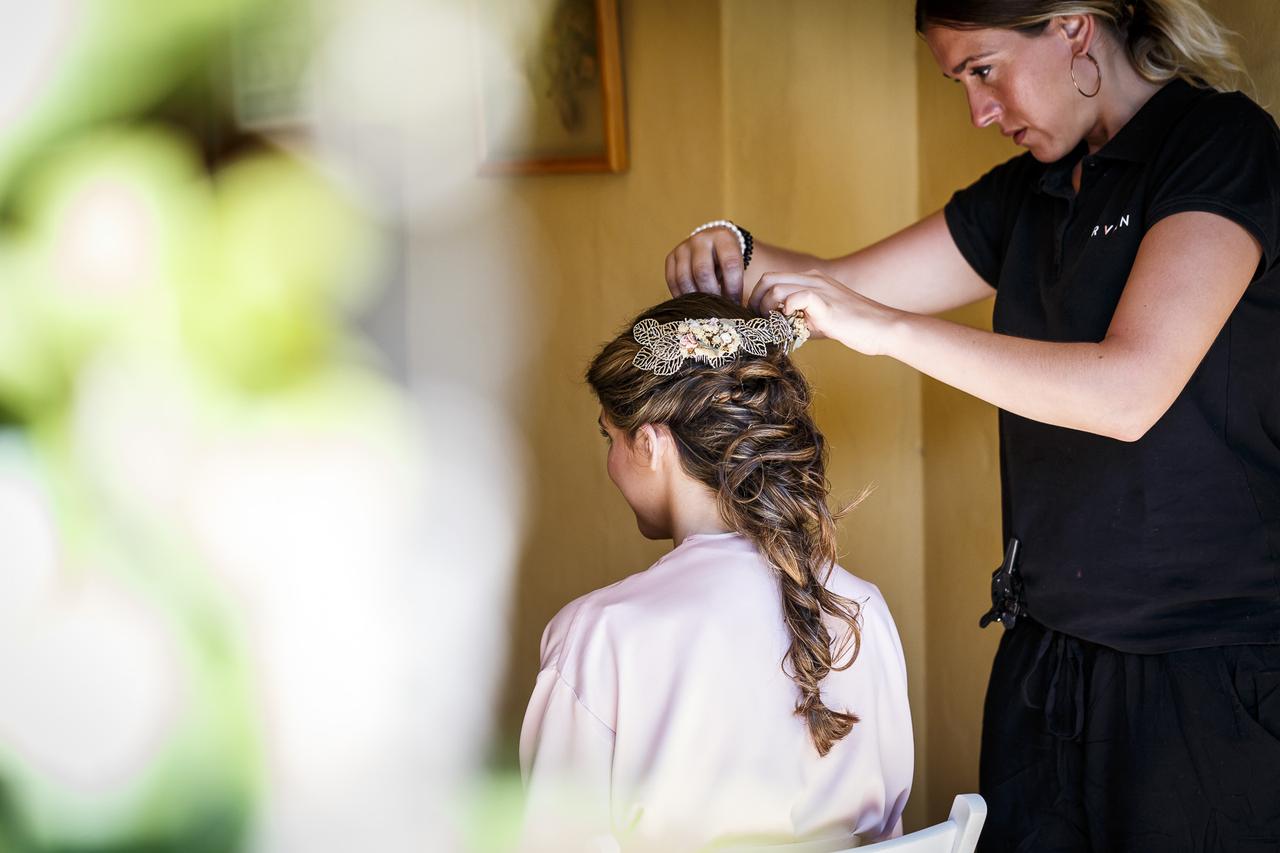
(744, 430)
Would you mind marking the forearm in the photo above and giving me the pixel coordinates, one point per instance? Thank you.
(1093, 387)
(918, 269)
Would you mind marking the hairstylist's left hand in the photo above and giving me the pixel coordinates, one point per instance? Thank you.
(830, 308)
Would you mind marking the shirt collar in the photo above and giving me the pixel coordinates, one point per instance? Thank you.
(1143, 134)
(1136, 142)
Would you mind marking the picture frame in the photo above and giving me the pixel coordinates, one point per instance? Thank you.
(550, 87)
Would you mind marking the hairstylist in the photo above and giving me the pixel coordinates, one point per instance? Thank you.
(1134, 252)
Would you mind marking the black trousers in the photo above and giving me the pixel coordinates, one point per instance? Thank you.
(1085, 748)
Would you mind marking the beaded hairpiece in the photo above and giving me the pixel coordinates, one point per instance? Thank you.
(714, 340)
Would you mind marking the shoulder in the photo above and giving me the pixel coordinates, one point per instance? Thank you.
(874, 610)
(597, 619)
(1236, 108)
(991, 200)
(844, 582)
(880, 659)
(1221, 156)
(1225, 122)
(577, 624)
(1015, 175)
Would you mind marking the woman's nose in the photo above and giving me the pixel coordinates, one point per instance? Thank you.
(983, 109)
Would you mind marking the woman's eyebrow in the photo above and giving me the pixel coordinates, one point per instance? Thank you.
(960, 68)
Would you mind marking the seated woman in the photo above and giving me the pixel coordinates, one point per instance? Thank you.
(743, 690)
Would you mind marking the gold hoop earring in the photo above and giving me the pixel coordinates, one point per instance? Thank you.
(1096, 68)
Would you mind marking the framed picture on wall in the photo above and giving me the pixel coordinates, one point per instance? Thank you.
(550, 81)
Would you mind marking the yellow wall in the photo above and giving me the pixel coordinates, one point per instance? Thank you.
(1258, 23)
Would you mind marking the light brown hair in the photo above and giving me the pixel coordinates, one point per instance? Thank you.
(1163, 39)
(744, 430)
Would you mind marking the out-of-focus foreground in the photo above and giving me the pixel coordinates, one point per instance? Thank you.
(231, 613)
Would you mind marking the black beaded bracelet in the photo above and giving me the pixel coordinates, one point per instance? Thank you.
(746, 253)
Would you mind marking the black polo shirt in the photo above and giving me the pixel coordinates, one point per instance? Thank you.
(1172, 541)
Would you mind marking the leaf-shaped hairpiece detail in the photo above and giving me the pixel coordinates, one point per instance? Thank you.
(645, 359)
(646, 332)
(756, 335)
(713, 340)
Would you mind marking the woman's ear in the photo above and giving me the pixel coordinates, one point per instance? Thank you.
(653, 443)
(645, 445)
(1078, 30)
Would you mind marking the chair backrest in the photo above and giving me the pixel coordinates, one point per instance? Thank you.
(959, 834)
(840, 844)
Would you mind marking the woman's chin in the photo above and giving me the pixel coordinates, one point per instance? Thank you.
(1041, 155)
(1047, 152)
(650, 530)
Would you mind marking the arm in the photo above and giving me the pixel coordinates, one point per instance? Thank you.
(1191, 270)
(566, 760)
(918, 269)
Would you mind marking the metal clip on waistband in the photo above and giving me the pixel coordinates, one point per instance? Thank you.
(1007, 603)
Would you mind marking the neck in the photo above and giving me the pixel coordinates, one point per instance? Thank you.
(1124, 91)
(694, 510)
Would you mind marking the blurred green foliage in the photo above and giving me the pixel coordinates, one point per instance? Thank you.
(139, 225)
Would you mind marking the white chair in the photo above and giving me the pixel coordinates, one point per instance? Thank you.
(959, 834)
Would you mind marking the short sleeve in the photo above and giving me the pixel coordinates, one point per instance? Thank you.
(1224, 158)
(980, 216)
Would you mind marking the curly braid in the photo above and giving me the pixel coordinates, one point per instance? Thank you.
(745, 431)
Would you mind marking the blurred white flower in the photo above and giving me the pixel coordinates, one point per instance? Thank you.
(309, 508)
(28, 534)
(136, 427)
(91, 687)
(108, 238)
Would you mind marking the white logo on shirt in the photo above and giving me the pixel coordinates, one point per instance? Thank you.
(1109, 229)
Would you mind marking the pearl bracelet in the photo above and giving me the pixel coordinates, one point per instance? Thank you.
(724, 223)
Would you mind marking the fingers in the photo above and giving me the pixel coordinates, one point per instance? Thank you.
(760, 293)
(765, 297)
(708, 262)
(812, 280)
(728, 255)
(703, 263)
(683, 270)
(772, 297)
(774, 289)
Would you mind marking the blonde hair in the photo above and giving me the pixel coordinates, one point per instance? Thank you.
(744, 430)
(1163, 39)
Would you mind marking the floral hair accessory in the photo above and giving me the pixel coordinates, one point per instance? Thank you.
(715, 340)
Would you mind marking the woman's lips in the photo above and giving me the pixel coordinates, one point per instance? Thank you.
(1017, 137)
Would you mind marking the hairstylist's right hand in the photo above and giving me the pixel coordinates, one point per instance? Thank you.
(707, 262)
